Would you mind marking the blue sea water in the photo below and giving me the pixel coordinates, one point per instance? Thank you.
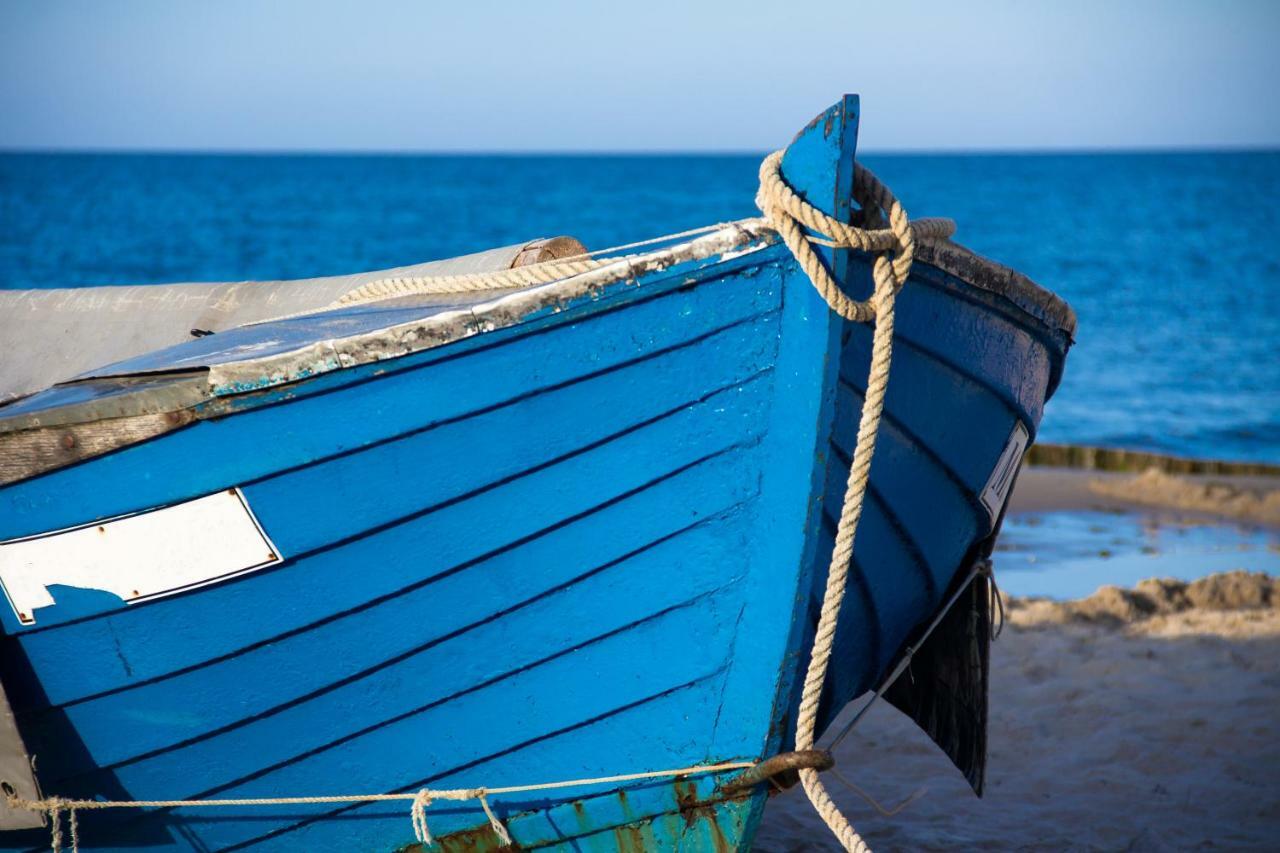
(1170, 260)
(1070, 554)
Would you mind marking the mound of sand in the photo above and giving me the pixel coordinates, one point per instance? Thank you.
(1112, 606)
(1230, 499)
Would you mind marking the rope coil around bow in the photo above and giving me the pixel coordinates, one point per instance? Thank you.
(791, 215)
(894, 249)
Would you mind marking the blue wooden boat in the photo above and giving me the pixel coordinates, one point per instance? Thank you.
(573, 530)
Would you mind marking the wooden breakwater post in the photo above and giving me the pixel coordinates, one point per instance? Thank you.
(1117, 459)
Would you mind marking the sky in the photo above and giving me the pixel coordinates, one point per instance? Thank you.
(656, 75)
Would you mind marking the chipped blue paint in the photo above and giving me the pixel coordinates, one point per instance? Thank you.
(581, 545)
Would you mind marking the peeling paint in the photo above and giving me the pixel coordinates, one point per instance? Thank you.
(449, 326)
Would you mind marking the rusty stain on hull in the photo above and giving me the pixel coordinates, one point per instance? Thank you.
(700, 821)
(481, 839)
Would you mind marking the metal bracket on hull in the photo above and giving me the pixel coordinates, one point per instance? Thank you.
(947, 697)
(950, 662)
(17, 777)
(782, 769)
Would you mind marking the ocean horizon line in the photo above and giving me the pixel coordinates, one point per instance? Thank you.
(624, 153)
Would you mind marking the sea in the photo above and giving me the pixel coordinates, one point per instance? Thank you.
(1171, 260)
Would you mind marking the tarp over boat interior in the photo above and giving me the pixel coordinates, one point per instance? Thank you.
(52, 335)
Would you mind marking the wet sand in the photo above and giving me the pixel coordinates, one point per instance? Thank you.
(1254, 499)
(1140, 719)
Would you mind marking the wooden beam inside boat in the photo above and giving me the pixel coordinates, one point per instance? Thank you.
(548, 249)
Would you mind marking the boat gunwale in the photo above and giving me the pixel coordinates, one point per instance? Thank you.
(168, 399)
(430, 332)
(982, 273)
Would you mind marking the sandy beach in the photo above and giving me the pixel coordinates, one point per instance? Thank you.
(1145, 718)
(1248, 498)
(1110, 729)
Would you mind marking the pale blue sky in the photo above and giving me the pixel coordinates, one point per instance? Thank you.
(480, 75)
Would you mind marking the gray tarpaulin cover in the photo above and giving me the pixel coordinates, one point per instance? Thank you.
(49, 336)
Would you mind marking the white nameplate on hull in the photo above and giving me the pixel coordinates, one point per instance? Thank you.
(1001, 481)
(138, 557)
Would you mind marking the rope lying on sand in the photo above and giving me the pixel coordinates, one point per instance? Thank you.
(784, 210)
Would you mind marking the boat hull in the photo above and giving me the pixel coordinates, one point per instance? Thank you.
(524, 562)
(584, 543)
(971, 373)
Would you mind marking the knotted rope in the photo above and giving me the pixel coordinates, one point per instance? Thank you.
(895, 246)
(422, 799)
(895, 251)
(792, 208)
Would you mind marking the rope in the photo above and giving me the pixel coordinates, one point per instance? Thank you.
(792, 217)
(895, 248)
(871, 801)
(419, 800)
(525, 276)
(606, 269)
(422, 799)
(516, 277)
(555, 270)
(995, 605)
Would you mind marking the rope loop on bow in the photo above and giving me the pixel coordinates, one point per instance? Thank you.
(894, 245)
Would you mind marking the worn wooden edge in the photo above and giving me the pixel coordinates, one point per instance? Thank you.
(33, 451)
(124, 397)
(31, 444)
(986, 274)
(449, 326)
